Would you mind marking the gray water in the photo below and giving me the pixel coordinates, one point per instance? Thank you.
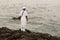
(44, 15)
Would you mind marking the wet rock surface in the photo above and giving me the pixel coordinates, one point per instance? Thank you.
(8, 34)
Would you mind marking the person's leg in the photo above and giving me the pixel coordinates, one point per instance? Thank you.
(23, 27)
(23, 24)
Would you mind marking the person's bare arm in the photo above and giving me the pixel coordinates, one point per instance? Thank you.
(27, 18)
(19, 17)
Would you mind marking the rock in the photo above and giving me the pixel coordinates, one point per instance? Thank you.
(8, 34)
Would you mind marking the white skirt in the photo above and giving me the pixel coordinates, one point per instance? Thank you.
(23, 23)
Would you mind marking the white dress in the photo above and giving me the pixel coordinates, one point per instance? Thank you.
(23, 20)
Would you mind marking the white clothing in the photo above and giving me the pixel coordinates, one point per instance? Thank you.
(23, 20)
(24, 8)
(24, 13)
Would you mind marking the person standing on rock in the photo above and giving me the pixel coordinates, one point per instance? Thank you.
(24, 18)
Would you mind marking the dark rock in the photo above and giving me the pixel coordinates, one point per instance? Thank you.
(5, 30)
(55, 38)
(8, 34)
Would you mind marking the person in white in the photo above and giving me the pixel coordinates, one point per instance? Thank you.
(24, 18)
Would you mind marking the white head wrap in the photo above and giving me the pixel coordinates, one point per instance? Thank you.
(24, 8)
